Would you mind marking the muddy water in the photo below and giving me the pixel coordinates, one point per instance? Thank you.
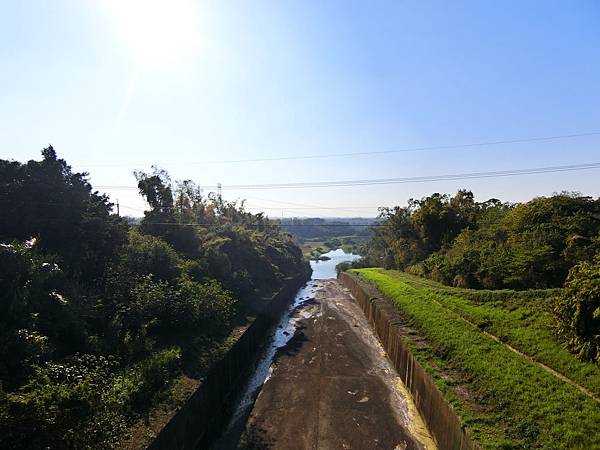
(278, 339)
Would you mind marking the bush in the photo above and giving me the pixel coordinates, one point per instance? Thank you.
(577, 310)
(36, 317)
(149, 255)
(66, 405)
(84, 402)
(137, 388)
(343, 267)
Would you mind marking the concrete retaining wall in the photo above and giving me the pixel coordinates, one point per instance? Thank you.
(440, 417)
(208, 410)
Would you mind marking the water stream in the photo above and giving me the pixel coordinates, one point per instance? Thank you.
(280, 336)
(323, 270)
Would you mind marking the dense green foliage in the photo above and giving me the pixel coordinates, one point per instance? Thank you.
(44, 199)
(247, 252)
(511, 402)
(98, 318)
(491, 245)
(577, 310)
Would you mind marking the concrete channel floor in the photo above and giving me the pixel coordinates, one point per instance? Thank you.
(332, 386)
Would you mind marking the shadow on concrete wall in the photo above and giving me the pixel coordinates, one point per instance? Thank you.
(208, 410)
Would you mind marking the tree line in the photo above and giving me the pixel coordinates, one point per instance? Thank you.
(492, 244)
(98, 314)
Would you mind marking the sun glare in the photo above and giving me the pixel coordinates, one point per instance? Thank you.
(158, 32)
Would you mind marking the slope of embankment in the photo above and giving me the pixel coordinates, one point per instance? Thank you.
(494, 357)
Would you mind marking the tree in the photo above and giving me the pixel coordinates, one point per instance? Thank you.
(46, 200)
(164, 219)
(577, 310)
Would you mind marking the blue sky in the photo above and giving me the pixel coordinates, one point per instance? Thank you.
(117, 89)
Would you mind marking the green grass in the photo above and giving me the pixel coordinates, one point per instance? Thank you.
(522, 319)
(522, 405)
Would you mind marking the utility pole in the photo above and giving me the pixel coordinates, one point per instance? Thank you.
(219, 190)
(118, 210)
(180, 208)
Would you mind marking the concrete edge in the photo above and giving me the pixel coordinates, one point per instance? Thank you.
(440, 417)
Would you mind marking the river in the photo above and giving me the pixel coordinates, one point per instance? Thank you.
(280, 336)
(323, 270)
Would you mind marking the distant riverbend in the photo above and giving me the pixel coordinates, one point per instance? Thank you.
(324, 269)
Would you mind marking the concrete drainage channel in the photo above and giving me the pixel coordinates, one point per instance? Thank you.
(439, 416)
(217, 414)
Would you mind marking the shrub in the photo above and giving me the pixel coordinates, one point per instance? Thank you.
(577, 310)
(343, 266)
(149, 255)
(138, 387)
(66, 405)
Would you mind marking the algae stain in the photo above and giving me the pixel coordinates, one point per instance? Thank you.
(415, 424)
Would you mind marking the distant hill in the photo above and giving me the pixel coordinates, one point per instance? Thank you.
(324, 228)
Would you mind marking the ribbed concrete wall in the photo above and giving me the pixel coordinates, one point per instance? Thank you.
(208, 410)
(440, 417)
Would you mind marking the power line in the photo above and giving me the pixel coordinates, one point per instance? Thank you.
(406, 150)
(292, 208)
(273, 223)
(250, 206)
(461, 176)
(405, 180)
(303, 205)
(376, 152)
(305, 212)
(269, 223)
(261, 208)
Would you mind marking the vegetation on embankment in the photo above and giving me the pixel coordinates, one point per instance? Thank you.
(540, 244)
(505, 399)
(99, 318)
(577, 310)
(522, 319)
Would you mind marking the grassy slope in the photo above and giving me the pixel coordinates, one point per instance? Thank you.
(523, 406)
(521, 319)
